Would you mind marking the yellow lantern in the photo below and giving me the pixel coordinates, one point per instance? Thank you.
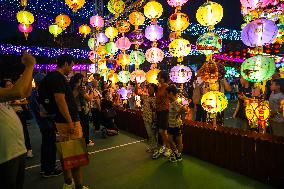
(153, 10)
(123, 26)
(101, 51)
(178, 22)
(214, 101)
(84, 30)
(25, 17)
(113, 77)
(63, 21)
(75, 4)
(209, 14)
(111, 33)
(102, 65)
(152, 76)
(55, 30)
(179, 48)
(136, 18)
(116, 7)
(123, 60)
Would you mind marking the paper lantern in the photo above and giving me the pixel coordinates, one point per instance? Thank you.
(209, 14)
(25, 17)
(101, 51)
(92, 43)
(113, 77)
(93, 68)
(123, 26)
(209, 43)
(55, 30)
(111, 48)
(92, 56)
(136, 18)
(111, 32)
(123, 60)
(63, 21)
(136, 37)
(26, 29)
(75, 4)
(176, 3)
(97, 21)
(211, 72)
(254, 4)
(123, 43)
(124, 76)
(214, 102)
(152, 76)
(84, 30)
(102, 65)
(101, 38)
(123, 93)
(259, 33)
(153, 10)
(116, 6)
(180, 74)
(179, 48)
(137, 57)
(258, 68)
(154, 55)
(138, 76)
(154, 32)
(178, 22)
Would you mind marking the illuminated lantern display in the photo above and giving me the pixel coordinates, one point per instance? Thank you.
(111, 48)
(123, 26)
(101, 51)
(254, 4)
(137, 58)
(111, 33)
(136, 37)
(93, 68)
(180, 74)
(92, 56)
(214, 102)
(25, 17)
(259, 33)
(84, 30)
(116, 7)
(97, 21)
(124, 76)
(102, 66)
(154, 55)
(152, 76)
(176, 3)
(138, 76)
(55, 30)
(63, 21)
(123, 93)
(211, 72)
(209, 14)
(123, 60)
(153, 10)
(26, 29)
(75, 4)
(178, 22)
(179, 48)
(209, 43)
(123, 43)
(154, 32)
(113, 77)
(91, 43)
(258, 68)
(136, 19)
(101, 38)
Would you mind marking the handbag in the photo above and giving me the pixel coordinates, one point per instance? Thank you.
(73, 153)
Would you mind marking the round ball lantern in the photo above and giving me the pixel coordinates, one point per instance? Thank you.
(111, 48)
(124, 76)
(153, 10)
(92, 43)
(209, 43)
(123, 60)
(138, 76)
(123, 93)
(179, 48)
(25, 17)
(152, 76)
(123, 43)
(93, 68)
(75, 4)
(178, 22)
(137, 58)
(176, 3)
(113, 77)
(63, 21)
(97, 21)
(209, 14)
(111, 33)
(101, 51)
(84, 30)
(154, 55)
(136, 37)
(123, 26)
(254, 4)
(180, 74)
(214, 102)
(136, 19)
(259, 33)
(116, 6)
(258, 68)
(211, 72)
(101, 38)
(55, 30)
(154, 32)
(26, 29)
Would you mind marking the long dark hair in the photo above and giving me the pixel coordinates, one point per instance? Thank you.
(74, 79)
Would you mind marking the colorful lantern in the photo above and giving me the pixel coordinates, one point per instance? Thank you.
(136, 18)
(180, 74)
(25, 17)
(258, 68)
(97, 21)
(154, 32)
(101, 51)
(116, 7)
(124, 76)
(123, 26)
(178, 22)
(254, 4)
(137, 58)
(123, 60)
(259, 33)
(92, 43)
(26, 29)
(123, 43)
(123, 92)
(55, 30)
(111, 48)
(138, 76)
(209, 43)
(102, 66)
(111, 33)
(154, 55)
(84, 30)
(75, 4)
(63, 21)
(209, 14)
(179, 48)
(152, 76)
(93, 68)
(153, 10)
(113, 77)
(136, 37)
(211, 72)
(177, 3)
(214, 102)
(101, 38)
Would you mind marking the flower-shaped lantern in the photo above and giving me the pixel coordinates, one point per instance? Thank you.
(26, 29)
(179, 48)
(84, 30)
(152, 76)
(63, 21)
(214, 102)
(138, 76)
(180, 74)
(75, 4)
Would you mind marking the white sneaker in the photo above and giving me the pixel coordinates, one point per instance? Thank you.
(30, 154)
(69, 186)
(167, 152)
(91, 143)
(85, 187)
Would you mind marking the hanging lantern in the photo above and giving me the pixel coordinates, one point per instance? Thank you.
(259, 33)
(152, 76)
(154, 32)
(84, 30)
(123, 26)
(211, 72)
(101, 38)
(116, 7)
(75, 4)
(101, 51)
(113, 77)
(123, 60)
(138, 76)
(124, 76)
(180, 74)
(137, 58)
(102, 66)
(136, 19)
(214, 102)
(123, 93)
(258, 68)
(154, 55)
(25, 17)
(63, 21)
(97, 22)
(93, 68)
(136, 37)
(92, 43)
(55, 30)
(153, 10)
(178, 22)
(26, 29)
(209, 14)
(111, 33)
(177, 3)
(254, 4)
(123, 43)
(209, 43)
(111, 48)
(179, 48)
(92, 56)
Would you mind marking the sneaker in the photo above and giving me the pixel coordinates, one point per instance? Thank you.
(167, 152)
(54, 173)
(156, 154)
(178, 157)
(162, 149)
(91, 143)
(104, 133)
(30, 154)
(172, 158)
(85, 187)
(69, 186)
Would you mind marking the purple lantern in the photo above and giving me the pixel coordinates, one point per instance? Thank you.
(259, 33)
(101, 38)
(154, 32)
(136, 37)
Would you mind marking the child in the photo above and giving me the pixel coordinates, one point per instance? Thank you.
(175, 124)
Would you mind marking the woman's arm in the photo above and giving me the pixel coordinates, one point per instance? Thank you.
(237, 110)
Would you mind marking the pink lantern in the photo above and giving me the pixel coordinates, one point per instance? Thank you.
(154, 32)
(180, 74)
(97, 21)
(177, 3)
(138, 75)
(102, 38)
(154, 55)
(92, 56)
(26, 29)
(254, 4)
(123, 43)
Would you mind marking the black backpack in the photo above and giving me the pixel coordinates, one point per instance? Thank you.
(46, 98)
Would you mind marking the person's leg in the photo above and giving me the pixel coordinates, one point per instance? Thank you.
(172, 142)
(179, 143)
(198, 114)
(151, 136)
(164, 136)
(26, 131)
(78, 177)
(51, 150)
(85, 127)
(96, 115)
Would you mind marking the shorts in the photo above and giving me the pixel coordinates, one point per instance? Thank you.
(175, 131)
(63, 130)
(163, 119)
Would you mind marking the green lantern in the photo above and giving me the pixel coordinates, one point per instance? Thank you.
(91, 43)
(258, 68)
(124, 76)
(111, 48)
(209, 43)
(137, 58)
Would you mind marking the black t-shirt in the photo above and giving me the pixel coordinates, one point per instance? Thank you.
(57, 83)
(248, 93)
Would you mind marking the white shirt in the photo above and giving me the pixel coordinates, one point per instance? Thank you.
(12, 142)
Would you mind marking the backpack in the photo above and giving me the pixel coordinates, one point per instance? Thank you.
(46, 98)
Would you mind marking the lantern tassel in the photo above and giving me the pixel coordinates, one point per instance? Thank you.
(26, 35)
